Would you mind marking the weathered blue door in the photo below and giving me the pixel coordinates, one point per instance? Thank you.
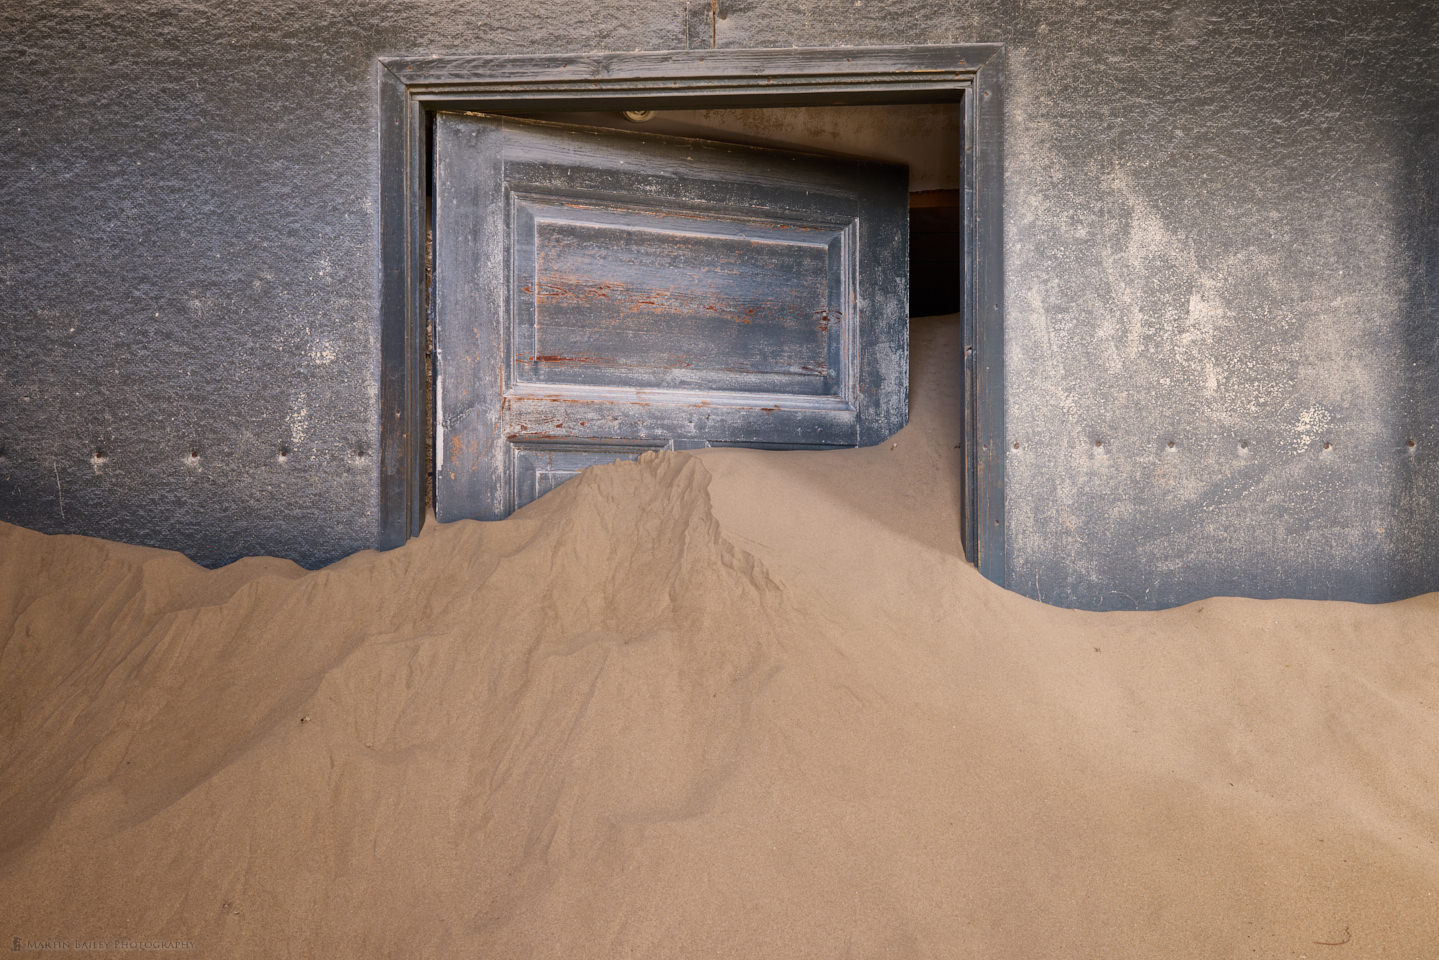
(600, 293)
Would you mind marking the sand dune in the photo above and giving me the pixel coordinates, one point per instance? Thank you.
(739, 704)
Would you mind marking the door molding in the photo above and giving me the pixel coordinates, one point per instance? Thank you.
(411, 87)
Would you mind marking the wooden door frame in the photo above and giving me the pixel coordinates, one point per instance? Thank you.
(411, 88)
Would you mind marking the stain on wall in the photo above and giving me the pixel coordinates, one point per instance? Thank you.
(1220, 235)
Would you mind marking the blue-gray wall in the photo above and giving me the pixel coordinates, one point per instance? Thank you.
(1220, 231)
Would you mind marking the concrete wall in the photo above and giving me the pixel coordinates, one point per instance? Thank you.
(1220, 232)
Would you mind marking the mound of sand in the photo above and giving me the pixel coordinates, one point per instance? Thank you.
(738, 704)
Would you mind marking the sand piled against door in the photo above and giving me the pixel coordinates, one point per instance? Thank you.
(736, 705)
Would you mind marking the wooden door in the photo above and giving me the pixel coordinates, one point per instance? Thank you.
(599, 293)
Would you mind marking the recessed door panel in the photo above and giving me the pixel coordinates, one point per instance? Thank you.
(599, 293)
(678, 296)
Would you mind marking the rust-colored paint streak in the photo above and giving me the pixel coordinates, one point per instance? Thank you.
(568, 292)
(673, 362)
(557, 398)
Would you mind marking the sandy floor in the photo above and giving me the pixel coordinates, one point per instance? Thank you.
(738, 704)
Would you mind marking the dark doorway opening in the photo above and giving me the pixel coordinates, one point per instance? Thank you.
(600, 292)
(966, 80)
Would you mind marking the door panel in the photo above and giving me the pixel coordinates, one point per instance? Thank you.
(599, 293)
(679, 301)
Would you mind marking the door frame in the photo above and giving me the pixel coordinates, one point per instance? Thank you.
(411, 88)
